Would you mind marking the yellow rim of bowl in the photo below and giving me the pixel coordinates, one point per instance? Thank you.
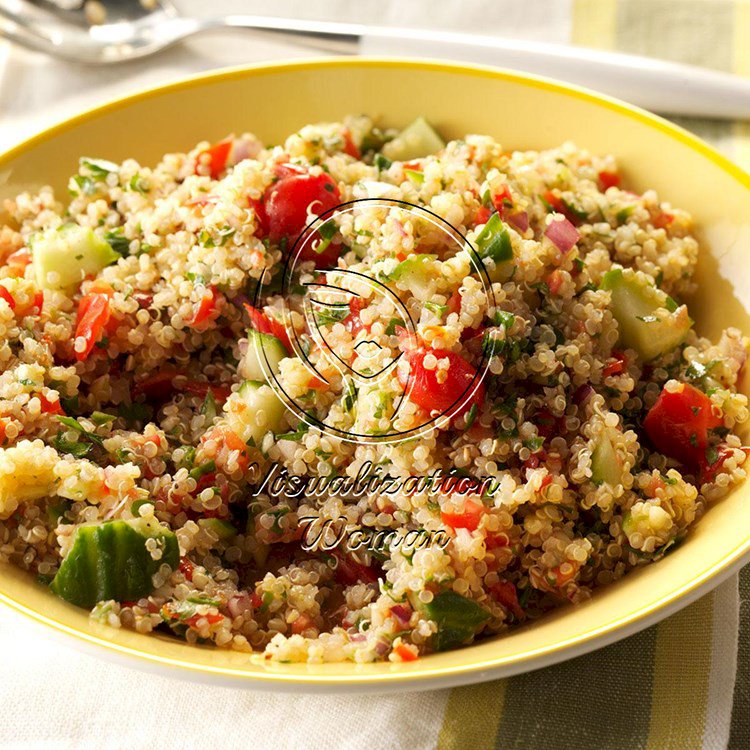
(730, 560)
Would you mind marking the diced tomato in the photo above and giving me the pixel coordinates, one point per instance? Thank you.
(555, 281)
(187, 568)
(405, 653)
(678, 424)
(557, 204)
(469, 519)
(20, 257)
(505, 593)
(39, 300)
(265, 324)
(502, 200)
(218, 156)
(233, 442)
(493, 541)
(709, 471)
(286, 205)
(256, 600)
(157, 386)
(350, 147)
(202, 200)
(7, 296)
(663, 220)
(350, 572)
(609, 179)
(211, 618)
(302, 623)
(454, 303)
(93, 316)
(424, 389)
(51, 407)
(617, 365)
(546, 482)
(545, 422)
(262, 219)
(353, 322)
(200, 388)
(483, 215)
(207, 310)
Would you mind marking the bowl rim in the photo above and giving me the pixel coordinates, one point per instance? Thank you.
(426, 676)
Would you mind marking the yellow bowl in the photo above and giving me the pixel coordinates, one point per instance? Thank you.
(521, 112)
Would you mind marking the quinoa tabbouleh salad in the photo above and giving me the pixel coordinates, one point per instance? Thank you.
(134, 407)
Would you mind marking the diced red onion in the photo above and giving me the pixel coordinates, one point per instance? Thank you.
(240, 150)
(382, 647)
(357, 637)
(583, 394)
(402, 615)
(520, 220)
(562, 234)
(239, 603)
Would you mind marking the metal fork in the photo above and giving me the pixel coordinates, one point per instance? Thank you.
(133, 29)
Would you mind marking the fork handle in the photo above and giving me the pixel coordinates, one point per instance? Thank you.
(667, 87)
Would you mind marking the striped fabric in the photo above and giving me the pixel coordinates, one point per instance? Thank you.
(685, 683)
(680, 685)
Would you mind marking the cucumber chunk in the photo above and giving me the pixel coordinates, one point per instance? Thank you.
(254, 410)
(263, 351)
(456, 617)
(62, 257)
(223, 529)
(606, 465)
(416, 274)
(648, 320)
(110, 561)
(493, 243)
(415, 141)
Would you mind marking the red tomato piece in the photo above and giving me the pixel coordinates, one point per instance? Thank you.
(424, 389)
(502, 200)
(199, 388)
(405, 652)
(350, 147)
(663, 220)
(555, 281)
(557, 204)
(617, 365)
(609, 179)
(51, 407)
(265, 324)
(352, 322)
(187, 568)
(483, 215)
(286, 206)
(678, 424)
(454, 303)
(505, 593)
(208, 309)
(93, 316)
(8, 297)
(260, 212)
(218, 155)
(350, 572)
(468, 519)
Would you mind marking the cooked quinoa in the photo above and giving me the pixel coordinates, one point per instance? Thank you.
(134, 433)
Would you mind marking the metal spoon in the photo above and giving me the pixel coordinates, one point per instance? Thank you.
(137, 28)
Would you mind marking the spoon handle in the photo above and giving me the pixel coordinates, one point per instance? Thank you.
(662, 86)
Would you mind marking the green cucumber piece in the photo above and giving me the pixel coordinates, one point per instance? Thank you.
(244, 405)
(416, 274)
(648, 320)
(110, 561)
(415, 141)
(262, 348)
(457, 618)
(223, 529)
(606, 465)
(494, 241)
(70, 251)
